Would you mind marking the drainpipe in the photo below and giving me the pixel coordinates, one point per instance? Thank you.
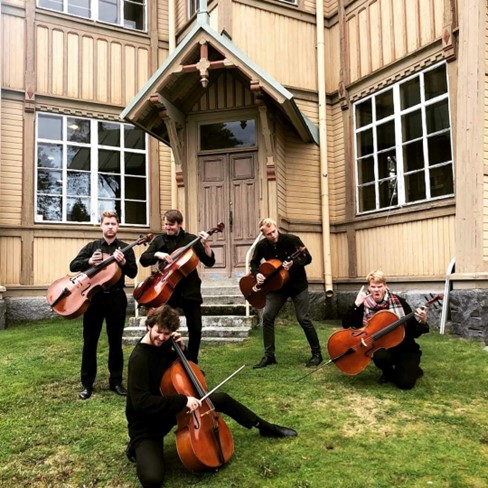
(324, 176)
(172, 47)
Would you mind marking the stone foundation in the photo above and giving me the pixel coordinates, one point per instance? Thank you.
(469, 313)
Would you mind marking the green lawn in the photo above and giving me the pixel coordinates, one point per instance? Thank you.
(352, 431)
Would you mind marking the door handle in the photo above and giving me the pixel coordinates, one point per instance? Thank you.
(231, 220)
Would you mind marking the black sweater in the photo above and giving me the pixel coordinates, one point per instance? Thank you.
(149, 414)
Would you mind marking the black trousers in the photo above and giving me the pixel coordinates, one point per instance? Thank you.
(149, 452)
(110, 307)
(401, 367)
(192, 310)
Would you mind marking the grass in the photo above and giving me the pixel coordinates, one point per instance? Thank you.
(352, 431)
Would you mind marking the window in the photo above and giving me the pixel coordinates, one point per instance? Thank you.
(130, 14)
(403, 145)
(87, 166)
(226, 135)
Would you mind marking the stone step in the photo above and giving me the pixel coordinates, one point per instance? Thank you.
(227, 299)
(223, 321)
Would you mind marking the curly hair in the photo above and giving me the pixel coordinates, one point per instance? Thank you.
(165, 317)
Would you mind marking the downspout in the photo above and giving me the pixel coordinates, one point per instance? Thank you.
(324, 176)
(171, 48)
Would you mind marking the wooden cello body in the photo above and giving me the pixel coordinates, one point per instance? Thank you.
(70, 296)
(157, 288)
(275, 278)
(203, 439)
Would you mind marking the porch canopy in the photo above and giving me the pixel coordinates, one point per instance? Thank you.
(161, 106)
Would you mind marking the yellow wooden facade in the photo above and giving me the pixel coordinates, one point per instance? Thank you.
(54, 62)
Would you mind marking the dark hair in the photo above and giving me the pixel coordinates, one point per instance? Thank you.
(165, 317)
(173, 216)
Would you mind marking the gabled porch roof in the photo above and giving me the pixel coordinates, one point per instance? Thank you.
(182, 79)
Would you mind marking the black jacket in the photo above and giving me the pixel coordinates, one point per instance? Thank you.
(286, 245)
(189, 288)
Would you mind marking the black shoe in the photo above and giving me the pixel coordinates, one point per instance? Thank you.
(119, 390)
(266, 361)
(273, 430)
(130, 453)
(315, 360)
(420, 372)
(86, 393)
(384, 378)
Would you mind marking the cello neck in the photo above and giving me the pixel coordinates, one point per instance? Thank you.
(393, 326)
(291, 257)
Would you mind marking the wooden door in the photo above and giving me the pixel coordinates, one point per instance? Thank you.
(228, 193)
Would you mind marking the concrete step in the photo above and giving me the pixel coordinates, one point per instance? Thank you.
(224, 321)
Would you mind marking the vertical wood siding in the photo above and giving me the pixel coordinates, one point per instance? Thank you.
(339, 255)
(313, 243)
(379, 32)
(11, 163)
(164, 177)
(332, 58)
(163, 20)
(89, 67)
(420, 248)
(284, 46)
(485, 148)
(10, 260)
(280, 174)
(13, 52)
(336, 163)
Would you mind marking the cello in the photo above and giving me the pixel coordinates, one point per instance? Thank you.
(203, 439)
(276, 276)
(351, 350)
(70, 296)
(157, 288)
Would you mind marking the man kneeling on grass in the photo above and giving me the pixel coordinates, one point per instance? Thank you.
(150, 415)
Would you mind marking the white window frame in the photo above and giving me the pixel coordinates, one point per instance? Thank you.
(399, 170)
(94, 12)
(94, 147)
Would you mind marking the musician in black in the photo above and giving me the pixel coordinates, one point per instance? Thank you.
(109, 305)
(187, 294)
(280, 246)
(399, 365)
(150, 415)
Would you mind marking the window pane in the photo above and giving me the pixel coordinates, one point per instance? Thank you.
(134, 138)
(134, 15)
(435, 82)
(437, 116)
(388, 193)
(50, 127)
(364, 113)
(415, 187)
(135, 188)
(387, 164)
(441, 181)
(135, 213)
(111, 205)
(108, 134)
(439, 147)
(78, 183)
(135, 164)
(78, 209)
(366, 170)
(109, 186)
(79, 7)
(78, 130)
(410, 93)
(366, 198)
(412, 125)
(385, 134)
(228, 134)
(413, 156)
(49, 207)
(384, 104)
(78, 158)
(52, 4)
(108, 11)
(365, 142)
(109, 161)
(49, 181)
(49, 155)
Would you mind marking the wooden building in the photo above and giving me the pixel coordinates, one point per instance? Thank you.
(359, 125)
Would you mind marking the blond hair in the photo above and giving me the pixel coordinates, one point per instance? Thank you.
(377, 276)
(266, 223)
(108, 214)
